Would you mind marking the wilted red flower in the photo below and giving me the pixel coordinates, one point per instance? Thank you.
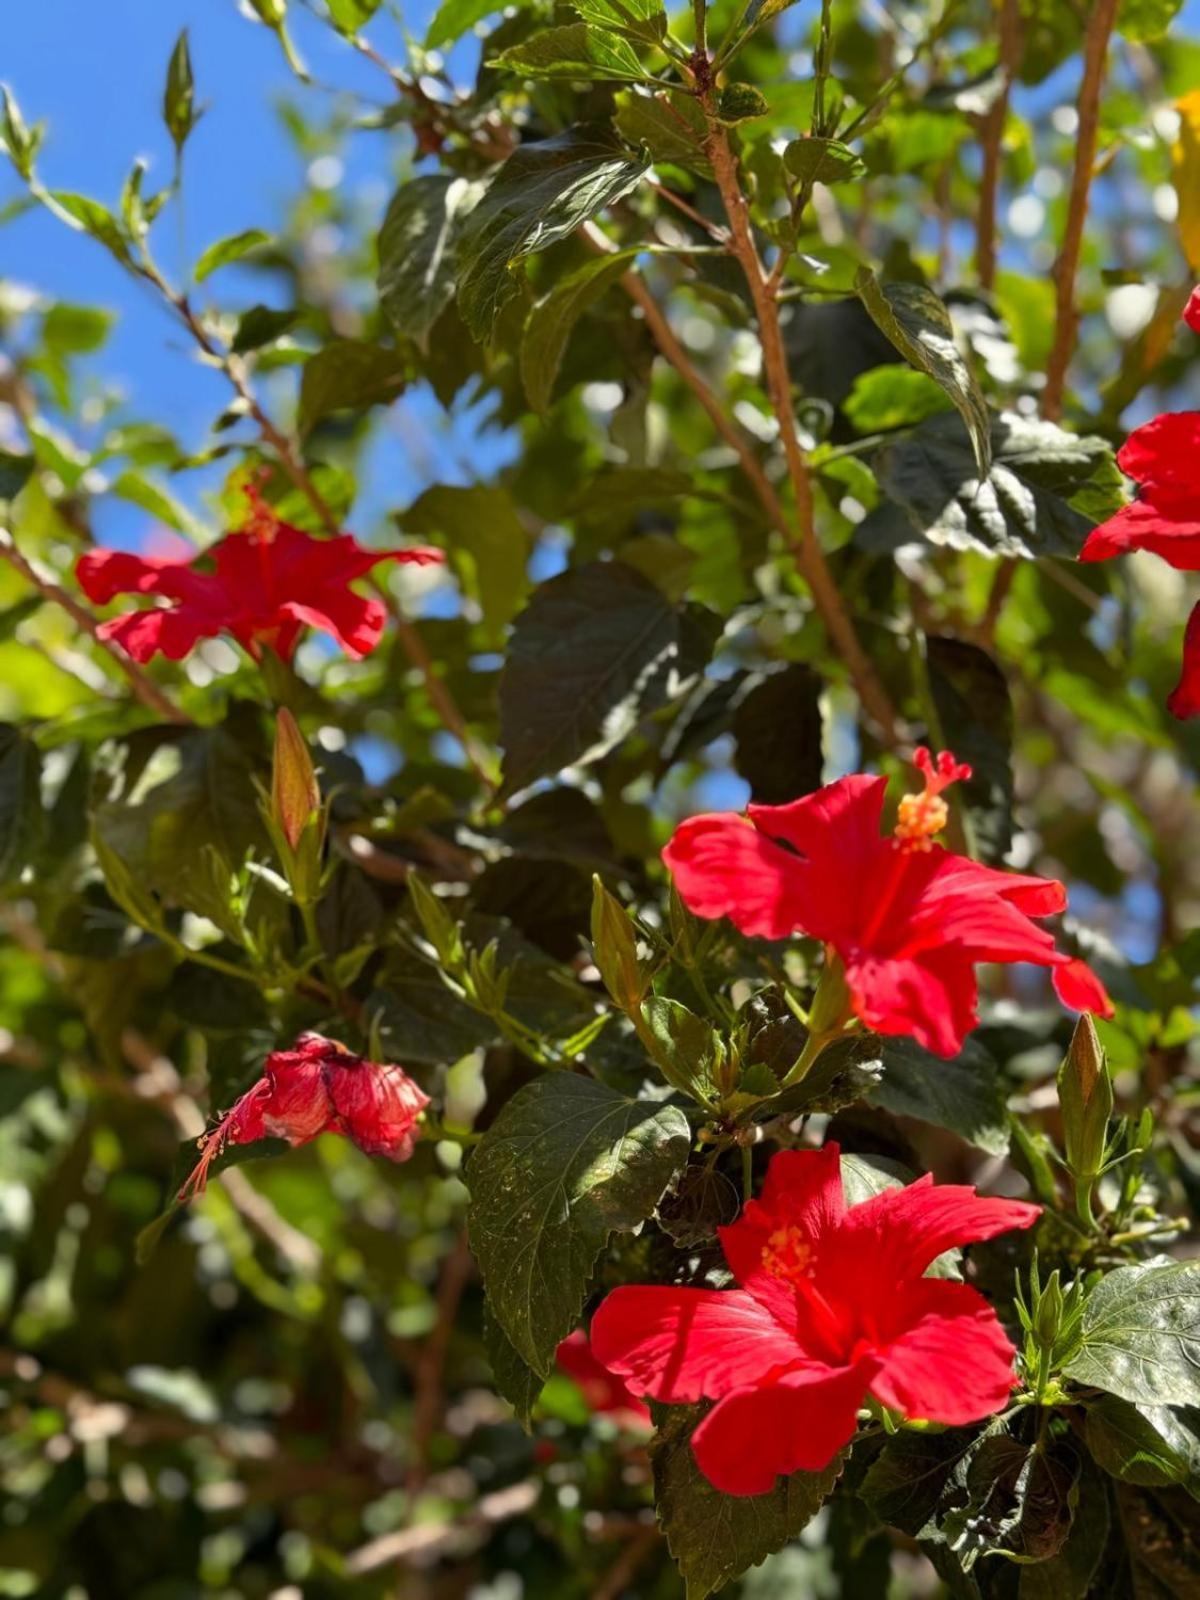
(319, 1087)
(604, 1392)
(267, 582)
(908, 918)
(833, 1306)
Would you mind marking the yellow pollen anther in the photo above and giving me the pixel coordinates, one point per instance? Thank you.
(922, 816)
(787, 1254)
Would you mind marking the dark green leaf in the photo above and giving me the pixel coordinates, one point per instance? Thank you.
(15, 472)
(479, 528)
(1141, 1335)
(574, 50)
(224, 251)
(596, 649)
(1031, 504)
(716, 1537)
(418, 250)
(421, 1020)
(671, 127)
(965, 1095)
(777, 731)
(918, 324)
(1020, 1504)
(350, 374)
(741, 102)
(975, 720)
(567, 1163)
(550, 322)
(259, 326)
(906, 1482)
(540, 195)
(1068, 1574)
(1146, 1444)
(515, 1379)
(702, 1201)
(20, 802)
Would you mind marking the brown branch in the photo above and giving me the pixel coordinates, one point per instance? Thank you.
(617, 1579)
(810, 558)
(143, 686)
(427, 1541)
(430, 1399)
(1100, 25)
(1012, 41)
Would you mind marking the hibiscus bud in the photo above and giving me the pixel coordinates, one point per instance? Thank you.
(1086, 1097)
(295, 794)
(438, 926)
(614, 949)
(1047, 1313)
(832, 999)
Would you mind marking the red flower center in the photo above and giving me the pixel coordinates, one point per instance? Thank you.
(787, 1254)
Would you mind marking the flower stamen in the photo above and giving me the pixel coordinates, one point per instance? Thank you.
(923, 816)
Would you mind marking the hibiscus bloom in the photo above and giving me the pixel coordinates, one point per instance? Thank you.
(832, 1306)
(1184, 699)
(262, 584)
(1163, 459)
(604, 1392)
(908, 919)
(319, 1087)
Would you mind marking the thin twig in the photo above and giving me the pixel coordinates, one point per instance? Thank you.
(1100, 23)
(617, 1579)
(1012, 39)
(430, 1395)
(429, 1540)
(810, 558)
(143, 686)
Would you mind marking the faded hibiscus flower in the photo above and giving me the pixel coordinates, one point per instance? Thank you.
(263, 584)
(604, 1392)
(908, 918)
(319, 1087)
(833, 1306)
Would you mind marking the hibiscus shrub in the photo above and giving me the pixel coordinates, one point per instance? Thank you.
(630, 1028)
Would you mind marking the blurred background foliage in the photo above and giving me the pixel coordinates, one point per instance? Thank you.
(292, 1395)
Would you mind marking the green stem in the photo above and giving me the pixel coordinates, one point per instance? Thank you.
(747, 1172)
(1083, 1203)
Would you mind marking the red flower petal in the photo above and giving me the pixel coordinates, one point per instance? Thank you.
(1184, 699)
(951, 1361)
(931, 1000)
(1079, 989)
(684, 1344)
(797, 1424)
(1191, 312)
(604, 1392)
(377, 1104)
(1174, 535)
(900, 1231)
(723, 867)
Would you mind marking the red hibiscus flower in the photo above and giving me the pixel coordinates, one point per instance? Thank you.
(604, 1392)
(1163, 459)
(262, 584)
(1184, 699)
(908, 918)
(319, 1087)
(833, 1306)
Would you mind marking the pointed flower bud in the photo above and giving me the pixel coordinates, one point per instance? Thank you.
(295, 793)
(1086, 1096)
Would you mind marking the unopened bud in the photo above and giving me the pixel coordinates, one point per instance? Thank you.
(832, 999)
(614, 949)
(295, 793)
(1048, 1313)
(1086, 1097)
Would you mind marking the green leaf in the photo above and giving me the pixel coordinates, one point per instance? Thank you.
(574, 50)
(1141, 1335)
(827, 161)
(515, 1379)
(1021, 1502)
(644, 20)
(567, 1163)
(453, 18)
(18, 139)
(259, 326)
(20, 802)
(1070, 1572)
(233, 1155)
(596, 649)
(550, 322)
(350, 374)
(90, 217)
(1045, 491)
(671, 127)
(487, 543)
(741, 102)
(1147, 1444)
(777, 730)
(418, 250)
(1146, 20)
(179, 96)
(15, 472)
(889, 397)
(907, 1480)
(233, 248)
(141, 491)
(915, 320)
(540, 195)
(715, 1537)
(351, 15)
(975, 720)
(965, 1095)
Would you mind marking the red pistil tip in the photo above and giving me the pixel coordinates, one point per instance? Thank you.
(922, 816)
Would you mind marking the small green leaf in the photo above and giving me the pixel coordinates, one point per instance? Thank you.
(1147, 1444)
(90, 217)
(671, 127)
(1143, 21)
(827, 161)
(19, 140)
(715, 1537)
(889, 397)
(551, 321)
(567, 1163)
(488, 545)
(614, 949)
(259, 326)
(350, 375)
(351, 15)
(418, 250)
(741, 102)
(574, 50)
(233, 248)
(179, 96)
(15, 472)
(918, 324)
(540, 195)
(1141, 1335)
